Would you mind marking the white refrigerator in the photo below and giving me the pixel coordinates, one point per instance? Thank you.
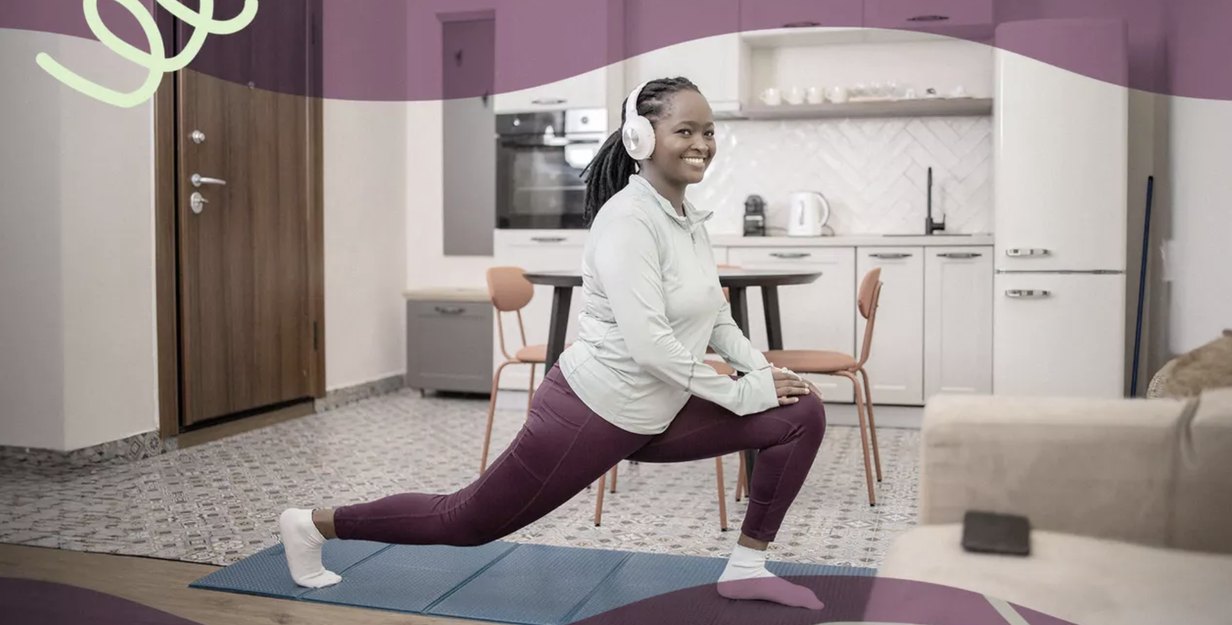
(1060, 192)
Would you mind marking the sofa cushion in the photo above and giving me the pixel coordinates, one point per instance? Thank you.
(1202, 512)
(1095, 467)
(1088, 581)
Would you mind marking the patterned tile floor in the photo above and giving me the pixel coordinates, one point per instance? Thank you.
(217, 503)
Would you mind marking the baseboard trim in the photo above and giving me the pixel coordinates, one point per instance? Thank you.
(346, 395)
(130, 449)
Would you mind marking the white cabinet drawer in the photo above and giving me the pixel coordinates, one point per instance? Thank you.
(820, 315)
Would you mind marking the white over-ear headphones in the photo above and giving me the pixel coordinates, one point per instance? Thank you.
(637, 134)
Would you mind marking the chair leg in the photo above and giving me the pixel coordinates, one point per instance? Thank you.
(599, 500)
(487, 435)
(868, 469)
(718, 475)
(742, 482)
(613, 472)
(872, 423)
(530, 392)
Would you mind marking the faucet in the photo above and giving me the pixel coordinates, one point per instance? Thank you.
(931, 226)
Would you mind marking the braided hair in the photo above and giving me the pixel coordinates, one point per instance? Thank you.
(611, 167)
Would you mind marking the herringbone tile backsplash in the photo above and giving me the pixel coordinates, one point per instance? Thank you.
(873, 172)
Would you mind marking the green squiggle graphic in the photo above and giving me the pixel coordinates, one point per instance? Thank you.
(155, 60)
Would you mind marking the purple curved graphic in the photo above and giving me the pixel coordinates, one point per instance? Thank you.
(847, 599)
(49, 603)
(392, 49)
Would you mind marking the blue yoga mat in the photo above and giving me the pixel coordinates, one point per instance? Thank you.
(501, 581)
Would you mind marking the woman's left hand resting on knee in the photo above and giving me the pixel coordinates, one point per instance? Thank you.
(789, 385)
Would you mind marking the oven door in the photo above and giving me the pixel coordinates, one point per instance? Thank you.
(539, 184)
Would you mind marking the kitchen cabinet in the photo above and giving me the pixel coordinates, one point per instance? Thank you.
(819, 315)
(973, 19)
(896, 362)
(447, 340)
(957, 320)
(586, 90)
(536, 250)
(715, 59)
(766, 14)
(523, 52)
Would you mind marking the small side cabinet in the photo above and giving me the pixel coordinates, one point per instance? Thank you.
(449, 340)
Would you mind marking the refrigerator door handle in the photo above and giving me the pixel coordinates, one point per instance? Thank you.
(959, 255)
(1026, 251)
(1027, 293)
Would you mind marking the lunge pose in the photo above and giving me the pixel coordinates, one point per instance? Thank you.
(633, 385)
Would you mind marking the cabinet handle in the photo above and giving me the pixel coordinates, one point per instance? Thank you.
(791, 254)
(1027, 293)
(891, 255)
(1026, 251)
(959, 255)
(547, 239)
(450, 310)
(548, 101)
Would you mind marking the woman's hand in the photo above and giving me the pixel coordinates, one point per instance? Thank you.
(789, 385)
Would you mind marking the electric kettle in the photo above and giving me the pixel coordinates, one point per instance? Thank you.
(809, 213)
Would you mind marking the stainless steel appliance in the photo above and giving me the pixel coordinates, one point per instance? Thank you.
(539, 161)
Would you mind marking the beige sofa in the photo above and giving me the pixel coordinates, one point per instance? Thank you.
(1130, 503)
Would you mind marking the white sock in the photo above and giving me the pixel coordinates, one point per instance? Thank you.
(302, 542)
(745, 563)
(746, 578)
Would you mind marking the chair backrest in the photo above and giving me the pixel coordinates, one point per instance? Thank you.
(508, 289)
(866, 302)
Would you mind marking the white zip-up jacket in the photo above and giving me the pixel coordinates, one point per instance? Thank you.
(651, 305)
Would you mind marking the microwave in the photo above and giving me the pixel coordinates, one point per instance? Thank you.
(539, 161)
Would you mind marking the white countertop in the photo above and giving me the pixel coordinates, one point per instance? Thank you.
(858, 240)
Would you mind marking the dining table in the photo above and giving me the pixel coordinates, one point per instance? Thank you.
(736, 281)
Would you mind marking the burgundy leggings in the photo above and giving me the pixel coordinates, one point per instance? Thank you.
(564, 446)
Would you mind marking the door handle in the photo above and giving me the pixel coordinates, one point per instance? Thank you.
(1026, 251)
(450, 310)
(547, 239)
(1027, 293)
(791, 254)
(959, 255)
(198, 180)
(891, 255)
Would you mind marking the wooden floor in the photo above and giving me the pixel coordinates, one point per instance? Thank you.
(163, 584)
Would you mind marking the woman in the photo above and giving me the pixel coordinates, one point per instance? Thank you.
(633, 385)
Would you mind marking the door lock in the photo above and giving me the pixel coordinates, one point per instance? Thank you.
(197, 202)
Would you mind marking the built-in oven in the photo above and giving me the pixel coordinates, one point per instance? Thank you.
(539, 161)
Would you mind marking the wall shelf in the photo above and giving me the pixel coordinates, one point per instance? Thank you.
(920, 107)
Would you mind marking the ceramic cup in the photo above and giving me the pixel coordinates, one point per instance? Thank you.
(815, 95)
(839, 95)
(771, 97)
(794, 95)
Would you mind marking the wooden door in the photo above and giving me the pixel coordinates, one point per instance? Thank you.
(248, 287)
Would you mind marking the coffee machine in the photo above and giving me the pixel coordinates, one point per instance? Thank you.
(754, 216)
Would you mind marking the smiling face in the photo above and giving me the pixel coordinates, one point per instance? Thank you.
(684, 140)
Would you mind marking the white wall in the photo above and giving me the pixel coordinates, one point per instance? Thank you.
(426, 263)
(31, 341)
(366, 181)
(1199, 254)
(77, 362)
